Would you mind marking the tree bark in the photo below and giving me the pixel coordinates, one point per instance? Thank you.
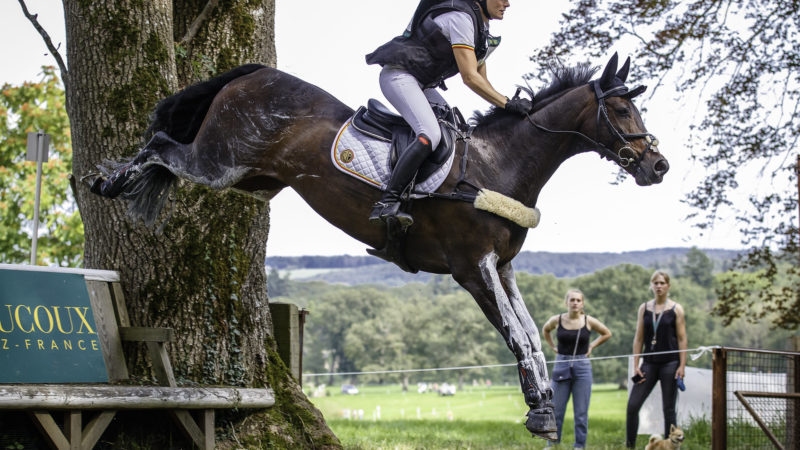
(204, 274)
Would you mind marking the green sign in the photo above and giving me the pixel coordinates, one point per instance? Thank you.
(47, 329)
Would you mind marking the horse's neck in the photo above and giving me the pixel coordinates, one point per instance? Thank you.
(531, 156)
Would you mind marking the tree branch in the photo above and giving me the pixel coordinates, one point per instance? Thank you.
(53, 49)
(190, 34)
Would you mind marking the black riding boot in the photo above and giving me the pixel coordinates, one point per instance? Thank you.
(389, 205)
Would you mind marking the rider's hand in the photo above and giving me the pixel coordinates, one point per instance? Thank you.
(521, 106)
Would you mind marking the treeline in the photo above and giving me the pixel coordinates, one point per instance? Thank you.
(437, 324)
(354, 270)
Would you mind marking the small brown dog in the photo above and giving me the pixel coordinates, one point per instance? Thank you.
(673, 443)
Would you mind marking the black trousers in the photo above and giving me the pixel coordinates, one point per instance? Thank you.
(664, 373)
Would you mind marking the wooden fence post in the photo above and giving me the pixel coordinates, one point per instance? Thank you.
(792, 386)
(287, 323)
(719, 399)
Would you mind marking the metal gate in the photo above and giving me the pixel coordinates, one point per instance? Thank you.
(756, 399)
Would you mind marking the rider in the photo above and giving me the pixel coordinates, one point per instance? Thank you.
(444, 38)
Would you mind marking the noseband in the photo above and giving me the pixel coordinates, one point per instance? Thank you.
(602, 113)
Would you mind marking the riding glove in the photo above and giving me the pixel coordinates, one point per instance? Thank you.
(521, 106)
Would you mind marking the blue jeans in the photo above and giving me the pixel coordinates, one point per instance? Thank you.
(580, 386)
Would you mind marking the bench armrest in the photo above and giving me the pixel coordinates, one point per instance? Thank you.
(147, 334)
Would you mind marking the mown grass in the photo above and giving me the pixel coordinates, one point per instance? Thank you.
(474, 418)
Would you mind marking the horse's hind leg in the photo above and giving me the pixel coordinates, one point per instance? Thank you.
(497, 295)
(161, 149)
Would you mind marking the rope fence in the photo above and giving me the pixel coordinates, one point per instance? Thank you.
(751, 396)
(700, 352)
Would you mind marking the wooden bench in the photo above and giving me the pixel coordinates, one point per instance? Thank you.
(113, 327)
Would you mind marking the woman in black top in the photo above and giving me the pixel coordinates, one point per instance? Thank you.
(573, 330)
(660, 327)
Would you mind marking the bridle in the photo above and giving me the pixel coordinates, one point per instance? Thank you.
(602, 113)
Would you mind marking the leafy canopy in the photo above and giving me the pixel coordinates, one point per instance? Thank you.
(741, 59)
(31, 107)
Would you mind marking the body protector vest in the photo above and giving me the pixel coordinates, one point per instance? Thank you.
(423, 50)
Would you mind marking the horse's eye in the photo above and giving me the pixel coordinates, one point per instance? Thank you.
(623, 111)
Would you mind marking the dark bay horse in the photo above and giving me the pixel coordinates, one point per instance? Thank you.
(259, 130)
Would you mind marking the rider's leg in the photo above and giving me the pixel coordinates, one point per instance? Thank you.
(402, 174)
(406, 95)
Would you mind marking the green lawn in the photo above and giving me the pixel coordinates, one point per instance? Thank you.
(475, 418)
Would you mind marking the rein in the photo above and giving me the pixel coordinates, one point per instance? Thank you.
(602, 112)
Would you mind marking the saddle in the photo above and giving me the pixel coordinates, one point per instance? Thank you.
(377, 121)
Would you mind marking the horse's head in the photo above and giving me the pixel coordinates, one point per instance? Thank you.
(620, 133)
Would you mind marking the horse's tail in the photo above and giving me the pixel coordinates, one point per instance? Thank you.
(148, 192)
(181, 114)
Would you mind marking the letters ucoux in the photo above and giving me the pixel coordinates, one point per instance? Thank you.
(46, 327)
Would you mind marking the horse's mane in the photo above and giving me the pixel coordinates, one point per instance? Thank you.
(181, 114)
(563, 79)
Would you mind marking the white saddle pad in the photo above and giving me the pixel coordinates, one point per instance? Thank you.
(368, 159)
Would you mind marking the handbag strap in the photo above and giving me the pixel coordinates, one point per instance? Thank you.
(577, 337)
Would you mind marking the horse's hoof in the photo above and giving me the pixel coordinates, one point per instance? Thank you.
(542, 423)
(95, 187)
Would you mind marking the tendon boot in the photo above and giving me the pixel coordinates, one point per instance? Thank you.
(388, 208)
(541, 421)
(115, 184)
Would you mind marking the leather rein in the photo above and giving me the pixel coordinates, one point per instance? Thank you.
(602, 113)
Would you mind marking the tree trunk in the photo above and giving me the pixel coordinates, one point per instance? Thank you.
(204, 274)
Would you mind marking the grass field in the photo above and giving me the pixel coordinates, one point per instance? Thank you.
(474, 418)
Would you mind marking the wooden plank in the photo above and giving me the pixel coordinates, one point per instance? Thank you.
(120, 308)
(73, 428)
(208, 428)
(49, 396)
(187, 424)
(107, 330)
(47, 426)
(94, 429)
(161, 364)
(147, 334)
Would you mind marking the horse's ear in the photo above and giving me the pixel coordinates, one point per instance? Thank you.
(623, 72)
(609, 72)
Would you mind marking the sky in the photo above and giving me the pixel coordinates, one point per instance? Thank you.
(582, 211)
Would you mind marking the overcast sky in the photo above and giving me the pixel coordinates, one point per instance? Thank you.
(324, 42)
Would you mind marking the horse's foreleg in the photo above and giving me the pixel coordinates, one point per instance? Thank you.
(502, 305)
(533, 369)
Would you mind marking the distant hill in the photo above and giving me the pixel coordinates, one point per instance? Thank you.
(353, 270)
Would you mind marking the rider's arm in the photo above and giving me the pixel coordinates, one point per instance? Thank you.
(474, 76)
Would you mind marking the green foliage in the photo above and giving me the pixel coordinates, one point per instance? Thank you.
(29, 108)
(420, 326)
(737, 58)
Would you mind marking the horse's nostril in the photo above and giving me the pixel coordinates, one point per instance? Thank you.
(661, 166)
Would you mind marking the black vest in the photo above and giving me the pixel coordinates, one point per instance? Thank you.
(425, 52)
